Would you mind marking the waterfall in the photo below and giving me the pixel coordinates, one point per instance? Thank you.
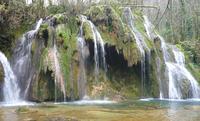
(11, 89)
(28, 2)
(99, 51)
(149, 28)
(159, 73)
(179, 77)
(45, 2)
(53, 60)
(55, 2)
(99, 55)
(21, 60)
(58, 74)
(141, 44)
(83, 55)
(181, 83)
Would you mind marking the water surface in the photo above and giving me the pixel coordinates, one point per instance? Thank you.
(142, 110)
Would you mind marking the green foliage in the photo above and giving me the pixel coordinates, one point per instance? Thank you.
(194, 70)
(191, 50)
(53, 9)
(43, 66)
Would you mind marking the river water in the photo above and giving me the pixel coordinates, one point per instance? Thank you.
(138, 110)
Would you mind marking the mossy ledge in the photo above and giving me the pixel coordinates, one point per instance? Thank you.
(122, 57)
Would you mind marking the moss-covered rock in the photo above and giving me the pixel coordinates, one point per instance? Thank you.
(62, 34)
(114, 32)
(1, 81)
(60, 18)
(123, 77)
(87, 31)
(1, 74)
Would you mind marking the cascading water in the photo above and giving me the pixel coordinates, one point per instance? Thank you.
(46, 3)
(54, 63)
(141, 44)
(21, 60)
(58, 74)
(175, 70)
(55, 2)
(181, 83)
(28, 2)
(11, 89)
(149, 28)
(83, 55)
(99, 55)
(179, 77)
(98, 43)
(151, 34)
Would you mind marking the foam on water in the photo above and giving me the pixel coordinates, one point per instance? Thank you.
(89, 102)
(17, 104)
(170, 100)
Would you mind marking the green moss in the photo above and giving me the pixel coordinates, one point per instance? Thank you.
(44, 26)
(114, 32)
(33, 47)
(43, 66)
(1, 73)
(60, 18)
(96, 12)
(68, 34)
(62, 34)
(44, 87)
(88, 34)
(194, 69)
(123, 81)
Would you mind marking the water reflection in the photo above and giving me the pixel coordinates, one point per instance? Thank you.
(183, 111)
(8, 115)
(177, 110)
(145, 110)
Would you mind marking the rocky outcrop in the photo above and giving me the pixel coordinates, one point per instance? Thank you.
(122, 57)
(114, 32)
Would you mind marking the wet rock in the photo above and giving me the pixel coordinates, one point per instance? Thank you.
(1, 81)
(157, 42)
(1, 73)
(185, 88)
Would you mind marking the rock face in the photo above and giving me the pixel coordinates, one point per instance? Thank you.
(115, 32)
(1, 80)
(123, 58)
